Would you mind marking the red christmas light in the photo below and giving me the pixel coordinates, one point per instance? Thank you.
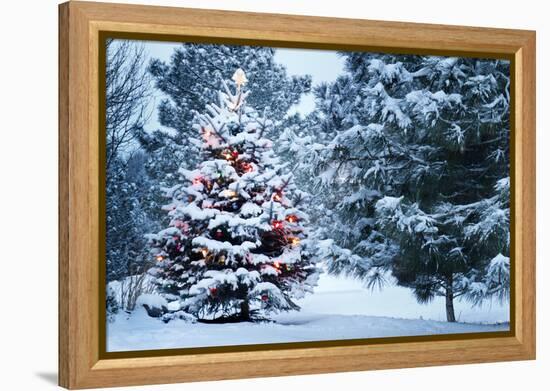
(265, 297)
(291, 218)
(277, 224)
(235, 154)
(247, 167)
(213, 291)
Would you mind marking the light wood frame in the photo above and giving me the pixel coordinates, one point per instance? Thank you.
(81, 364)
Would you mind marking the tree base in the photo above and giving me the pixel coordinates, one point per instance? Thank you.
(235, 318)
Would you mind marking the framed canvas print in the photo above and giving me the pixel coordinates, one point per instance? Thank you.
(248, 195)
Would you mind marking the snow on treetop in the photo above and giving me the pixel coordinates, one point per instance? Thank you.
(239, 77)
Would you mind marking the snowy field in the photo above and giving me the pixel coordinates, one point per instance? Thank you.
(340, 309)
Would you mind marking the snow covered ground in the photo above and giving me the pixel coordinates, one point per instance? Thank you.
(335, 295)
(340, 309)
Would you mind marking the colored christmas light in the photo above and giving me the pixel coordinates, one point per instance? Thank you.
(294, 241)
(247, 167)
(291, 218)
(277, 224)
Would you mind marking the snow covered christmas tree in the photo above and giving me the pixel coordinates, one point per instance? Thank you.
(235, 248)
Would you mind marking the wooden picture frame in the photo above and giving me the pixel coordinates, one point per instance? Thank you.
(82, 364)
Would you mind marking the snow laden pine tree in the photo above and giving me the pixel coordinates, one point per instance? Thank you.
(188, 82)
(417, 174)
(235, 246)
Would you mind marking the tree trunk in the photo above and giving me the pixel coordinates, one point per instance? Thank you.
(245, 310)
(449, 304)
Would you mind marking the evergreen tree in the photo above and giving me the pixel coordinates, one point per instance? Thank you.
(236, 242)
(416, 176)
(127, 93)
(126, 224)
(190, 81)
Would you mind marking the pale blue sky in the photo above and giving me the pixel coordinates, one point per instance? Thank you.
(322, 65)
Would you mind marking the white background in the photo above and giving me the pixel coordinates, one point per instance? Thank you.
(28, 194)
